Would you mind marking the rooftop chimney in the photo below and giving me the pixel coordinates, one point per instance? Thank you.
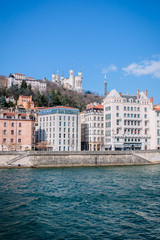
(137, 94)
(145, 93)
(151, 99)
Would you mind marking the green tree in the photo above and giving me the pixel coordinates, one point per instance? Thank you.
(37, 99)
(3, 102)
(23, 85)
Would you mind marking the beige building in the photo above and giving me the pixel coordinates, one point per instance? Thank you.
(16, 130)
(3, 81)
(93, 127)
(155, 127)
(25, 101)
(17, 78)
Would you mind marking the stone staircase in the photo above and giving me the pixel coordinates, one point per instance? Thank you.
(17, 158)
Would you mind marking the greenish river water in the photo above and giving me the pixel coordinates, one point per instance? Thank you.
(80, 203)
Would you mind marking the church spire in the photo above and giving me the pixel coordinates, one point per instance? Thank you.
(105, 86)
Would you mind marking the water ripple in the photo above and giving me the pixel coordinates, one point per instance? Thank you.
(80, 203)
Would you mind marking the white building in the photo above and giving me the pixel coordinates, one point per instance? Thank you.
(155, 127)
(17, 78)
(60, 127)
(72, 83)
(93, 122)
(127, 124)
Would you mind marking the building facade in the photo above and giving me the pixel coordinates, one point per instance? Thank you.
(60, 128)
(72, 83)
(26, 102)
(17, 78)
(127, 121)
(93, 127)
(16, 130)
(155, 127)
(3, 82)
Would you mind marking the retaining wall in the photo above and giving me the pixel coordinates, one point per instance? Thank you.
(69, 159)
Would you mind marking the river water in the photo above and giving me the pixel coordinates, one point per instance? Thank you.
(80, 203)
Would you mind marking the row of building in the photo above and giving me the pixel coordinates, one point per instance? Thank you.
(121, 122)
(72, 83)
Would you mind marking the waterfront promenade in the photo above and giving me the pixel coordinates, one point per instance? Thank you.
(78, 159)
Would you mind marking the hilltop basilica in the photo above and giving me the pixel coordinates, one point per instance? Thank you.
(72, 83)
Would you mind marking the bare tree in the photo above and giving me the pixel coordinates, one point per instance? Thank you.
(41, 145)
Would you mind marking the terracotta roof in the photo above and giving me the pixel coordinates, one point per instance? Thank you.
(60, 107)
(20, 74)
(9, 114)
(98, 106)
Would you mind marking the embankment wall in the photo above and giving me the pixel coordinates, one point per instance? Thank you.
(70, 159)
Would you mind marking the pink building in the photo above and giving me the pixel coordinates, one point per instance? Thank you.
(16, 130)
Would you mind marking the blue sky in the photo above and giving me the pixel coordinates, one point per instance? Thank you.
(119, 38)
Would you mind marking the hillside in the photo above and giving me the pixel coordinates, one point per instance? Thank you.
(55, 95)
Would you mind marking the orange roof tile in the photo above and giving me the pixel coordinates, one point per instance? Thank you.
(61, 107)
(20, 74)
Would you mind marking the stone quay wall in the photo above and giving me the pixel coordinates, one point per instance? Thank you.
(78, 159)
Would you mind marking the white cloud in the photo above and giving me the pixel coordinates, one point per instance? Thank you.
(110, 68)
(144, 68)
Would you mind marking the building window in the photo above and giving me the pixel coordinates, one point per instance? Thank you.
(20, 125)
(108, 108)
(12, 140)
(108, 124)
(4, 132)
(5, 124)
(108, 116)
(108, 133)
(12, 132)
(117, 114)
(19, 132)
(124, 108)
(19, 140)
(117, 107)
(145, 109)
(4, 140)
(59, 135)
(12, 124)
(145, 116)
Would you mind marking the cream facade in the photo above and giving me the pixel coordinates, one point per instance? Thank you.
(127, 123)
(93, 121)
(17, 78)
(155, 127)
(60, 128)
(72, 83)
